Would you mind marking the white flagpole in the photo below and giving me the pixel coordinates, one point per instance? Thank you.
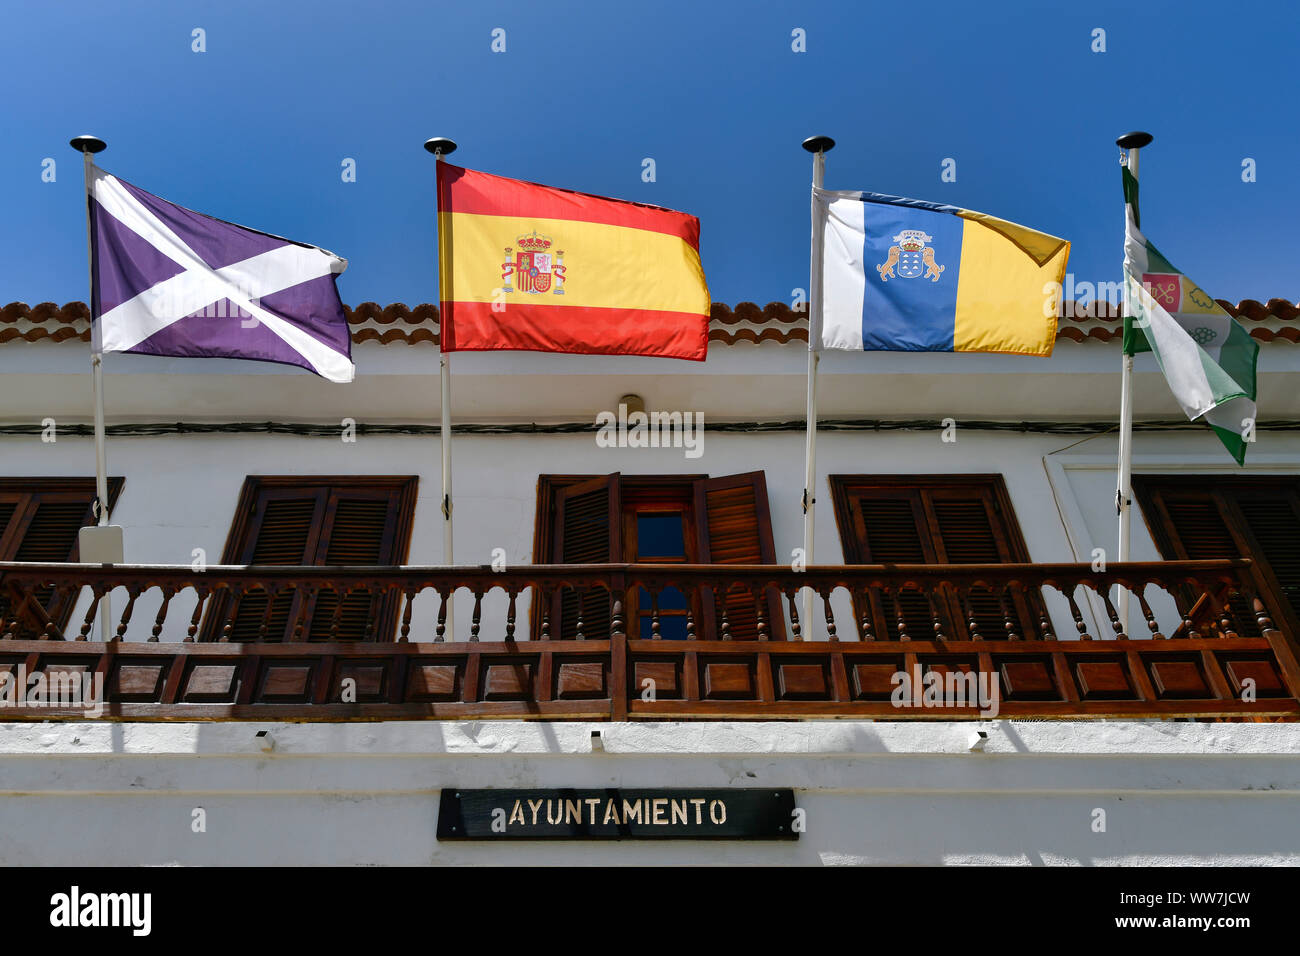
(88, 146)
(1131, 143)
(819, 146)
(440, 146)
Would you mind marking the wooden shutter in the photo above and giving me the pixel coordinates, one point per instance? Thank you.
(1202, 518)
(316, 522)
(358, 531)
(735, 527)
(588, 530)
(39, 521)
(933, 520)
(284, 531)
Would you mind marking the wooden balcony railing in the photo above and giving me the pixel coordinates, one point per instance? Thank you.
(314, 644)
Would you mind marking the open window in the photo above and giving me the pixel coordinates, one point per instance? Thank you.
(296, 521)
(657, 519)
(933, 519)
(39, 521)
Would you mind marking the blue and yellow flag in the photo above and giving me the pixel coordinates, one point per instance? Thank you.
(911, 276)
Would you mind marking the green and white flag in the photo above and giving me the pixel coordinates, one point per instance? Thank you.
(1207, 357)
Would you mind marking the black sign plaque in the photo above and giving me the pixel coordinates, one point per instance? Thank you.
(618, 814)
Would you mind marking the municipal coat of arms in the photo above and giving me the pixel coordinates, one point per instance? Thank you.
(534, 267)
(910, 257)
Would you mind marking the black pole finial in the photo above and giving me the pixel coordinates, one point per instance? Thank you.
(440, 146)
(1134, 140)
(88, 144)
(819, 144)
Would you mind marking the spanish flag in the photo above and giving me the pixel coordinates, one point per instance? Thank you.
(911, 276)
(534, 268)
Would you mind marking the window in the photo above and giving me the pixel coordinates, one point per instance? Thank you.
(686, 519)
(939, 519)
(39, 521)
(1200, 517)
(316, 521)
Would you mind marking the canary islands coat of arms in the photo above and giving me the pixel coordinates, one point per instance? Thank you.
(910, 257)
(535, 268)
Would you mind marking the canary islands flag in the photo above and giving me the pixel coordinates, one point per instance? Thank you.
(911, 276)
(531, 267)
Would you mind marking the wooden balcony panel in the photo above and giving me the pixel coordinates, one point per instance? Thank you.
(1218, 665)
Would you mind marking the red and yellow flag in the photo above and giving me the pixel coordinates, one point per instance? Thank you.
(529, 267)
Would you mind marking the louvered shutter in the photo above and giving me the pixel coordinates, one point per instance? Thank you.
(969, 530)
(283, 532)
(1274, 522)
(735, 527)
(891, 529)
(588, 530)
(1254, 518)
(43, 526)
(359, 531)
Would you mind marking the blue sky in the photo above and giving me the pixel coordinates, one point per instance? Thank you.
(256, 128)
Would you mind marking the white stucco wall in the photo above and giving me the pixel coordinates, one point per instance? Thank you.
(1174, 793)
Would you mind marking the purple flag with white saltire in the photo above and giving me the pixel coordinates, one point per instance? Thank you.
(169, 281)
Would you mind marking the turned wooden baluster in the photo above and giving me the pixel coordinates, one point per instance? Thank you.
(476, 618)
(368, 632)
(1152, 625)
(546, 613)
(1008, 617)
(868, 628)
(405, 636)
(1116, 624)
(655, 634)
(510, 614)
(236, 594)
(830, 615)
(972, 625)
(440, 631)
(581, 595)
(791, 596)
(899, 619)
(307, 595)
(96, 593)
(1080, 624)
(264, 628)
(200, 600)
(936, 624)
(1261, 615)
(760, 624)
(168, 593)
(617, 625)
(725, 625)
(337, 617)
(690, 615)
(1227, 616)
(1044, 620)
(132, 593)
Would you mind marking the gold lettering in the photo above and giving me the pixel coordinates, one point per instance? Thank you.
(572, 811)
(682, 810)
(699, 803)
(611, 810)
(660, 807)
(593, 803)
(718, 811)
(560, 817)
(631, 811)
(534, 805)
(518, 811)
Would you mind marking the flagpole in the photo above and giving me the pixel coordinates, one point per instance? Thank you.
(819, 146)
(88, 146)
(440, 146)
(1131, 143)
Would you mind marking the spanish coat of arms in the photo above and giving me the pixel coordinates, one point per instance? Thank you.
(911, 257)
(535, 268)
